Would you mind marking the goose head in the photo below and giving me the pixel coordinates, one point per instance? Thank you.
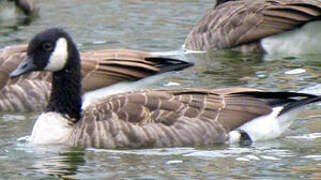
(51, 50)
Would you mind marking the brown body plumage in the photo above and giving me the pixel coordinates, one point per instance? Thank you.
(166, 118)
(100, 68)
(241, 24)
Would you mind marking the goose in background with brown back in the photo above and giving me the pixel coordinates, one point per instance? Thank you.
(289, 27)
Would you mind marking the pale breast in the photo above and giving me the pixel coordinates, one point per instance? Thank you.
(51, 128)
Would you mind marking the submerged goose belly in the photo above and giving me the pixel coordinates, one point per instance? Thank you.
(303, 40)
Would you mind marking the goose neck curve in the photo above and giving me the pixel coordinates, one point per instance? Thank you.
(65, 95)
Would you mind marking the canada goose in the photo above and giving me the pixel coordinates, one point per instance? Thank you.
(269, 26)
(149, 118)
(28, 7)
(100, 68)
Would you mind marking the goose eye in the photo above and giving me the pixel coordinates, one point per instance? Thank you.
(47, 46)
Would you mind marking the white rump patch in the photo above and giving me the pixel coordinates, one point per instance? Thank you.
(234, 137)
(51, 128)
(266, 127)
(303, 40)
(59, 56)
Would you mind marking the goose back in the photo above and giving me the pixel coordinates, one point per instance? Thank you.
(241, 24)
(167, 118)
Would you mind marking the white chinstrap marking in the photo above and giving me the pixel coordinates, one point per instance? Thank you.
(51, 128)
(265, 127)
(59, 56)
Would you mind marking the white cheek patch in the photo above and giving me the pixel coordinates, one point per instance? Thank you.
(59, 56)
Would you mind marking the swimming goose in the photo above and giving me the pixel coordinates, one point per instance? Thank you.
(269, 26)
(100, 68)
(149, 118)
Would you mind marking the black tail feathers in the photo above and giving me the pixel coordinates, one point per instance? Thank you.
(169, 64)
(290, 100)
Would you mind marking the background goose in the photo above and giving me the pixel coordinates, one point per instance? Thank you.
(150, 118)
(100, 68)
(273, 26)
(28, 7)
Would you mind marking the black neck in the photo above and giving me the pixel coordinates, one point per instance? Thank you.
(65, 95)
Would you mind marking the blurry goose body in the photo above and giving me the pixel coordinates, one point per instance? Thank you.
(11, 10)
(149, 118)
(269, 26)
(28, 7)
(100, 68)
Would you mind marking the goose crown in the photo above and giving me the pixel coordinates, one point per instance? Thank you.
(51, 49)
